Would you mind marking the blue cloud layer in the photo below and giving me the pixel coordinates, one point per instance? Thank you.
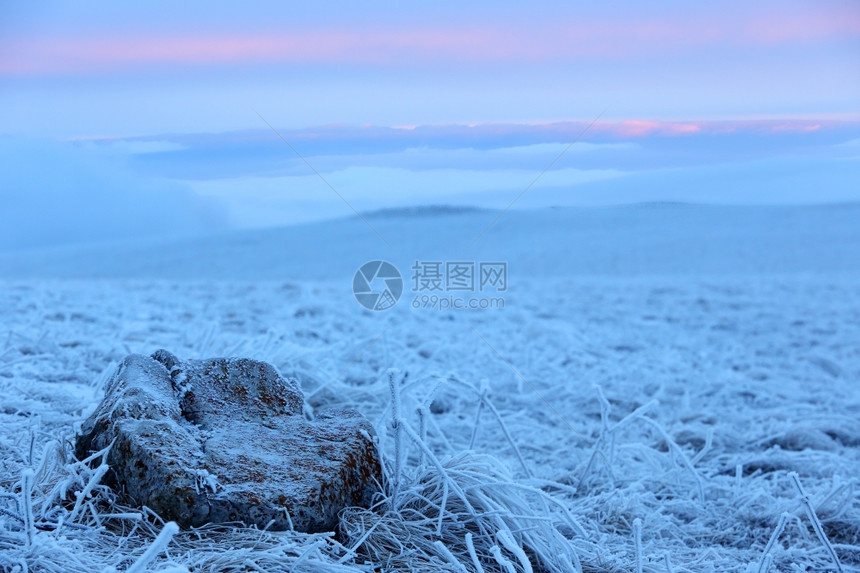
(529, 147)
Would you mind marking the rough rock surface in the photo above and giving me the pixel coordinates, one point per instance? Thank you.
(225, 440)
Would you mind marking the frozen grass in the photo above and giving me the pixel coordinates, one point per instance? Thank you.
(695, 425)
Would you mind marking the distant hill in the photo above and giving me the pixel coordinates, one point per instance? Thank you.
(643, 239)
(424, 211)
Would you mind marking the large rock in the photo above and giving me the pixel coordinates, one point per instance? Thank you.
(225, 440)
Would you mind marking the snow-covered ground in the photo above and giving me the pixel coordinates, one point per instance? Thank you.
(667, 374)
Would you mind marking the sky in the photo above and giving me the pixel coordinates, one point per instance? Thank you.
(121, 120)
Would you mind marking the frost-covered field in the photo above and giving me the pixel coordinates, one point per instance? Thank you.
(627, 423)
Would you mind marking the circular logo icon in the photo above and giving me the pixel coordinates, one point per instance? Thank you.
(377, 285)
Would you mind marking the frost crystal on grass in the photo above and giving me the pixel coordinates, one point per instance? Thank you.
(698, 397)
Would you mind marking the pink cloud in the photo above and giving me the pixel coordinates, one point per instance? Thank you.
(633, 128)
(382, 47)
(415, 46)
(642, 128)
(810, 27)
